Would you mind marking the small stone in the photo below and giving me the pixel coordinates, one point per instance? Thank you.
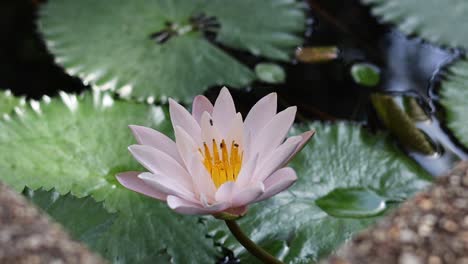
(450, 226)
(407, 236)
(425, 204)
(409, 258)
(434, 260)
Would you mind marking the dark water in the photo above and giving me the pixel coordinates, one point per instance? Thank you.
(323, 91)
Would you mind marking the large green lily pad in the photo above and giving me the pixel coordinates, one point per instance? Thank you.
(72, 213)
(77, 144)
(109, 43)
(8, 102)
(443, 22)
(339, 157)
(454, 94)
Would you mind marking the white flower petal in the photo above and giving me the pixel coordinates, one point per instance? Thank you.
(185, 145)
(159, 162)
(224, 111)
(186, 207)
(305, 137)
(166, 184)
(181, 117)
(202, 181)
(236, 132)
(155, 139)
(224, 193)
(261, 113)
(247, 172)
(201, 104)
(277, 158)
(209, 131)
(278, 182)
(273, 133)
(247, 195)
(131, 181)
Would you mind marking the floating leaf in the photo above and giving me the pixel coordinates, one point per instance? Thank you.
(316, 54)
(437, 21)
(270, 73)
(78, 144)
(8, 102)
(454, 94)
(339, 156)
(391, 111)
(84, 218)
(352, 202)
(158, 49)
(365, 74)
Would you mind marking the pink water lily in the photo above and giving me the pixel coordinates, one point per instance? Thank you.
(219, 163)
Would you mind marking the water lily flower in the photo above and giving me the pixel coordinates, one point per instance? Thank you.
(219, 163)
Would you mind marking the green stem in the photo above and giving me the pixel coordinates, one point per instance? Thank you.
(253, 248)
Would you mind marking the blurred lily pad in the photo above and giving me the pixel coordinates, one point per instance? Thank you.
(76, 144)
(365, 74)
(72, 211)
(339, 157)
(352, 202)
(454, 94)
(161, 48)
(437, 21)
(8, 102)
(270, 73)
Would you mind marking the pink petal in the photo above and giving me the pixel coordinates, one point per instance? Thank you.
(202, 181)
(155, 139)
(236, 131)
(247, 195)
(273, 133)
(305, 137)
(247, 172)
(181, 117)
(278, 182)
(209, 131)
(224, 193)
(166, 184)
(185, 144)
(186, 207)
(159, 162)
(131, 181)
(277, 158)
(201, 104)
(261, 113)
(224, 111)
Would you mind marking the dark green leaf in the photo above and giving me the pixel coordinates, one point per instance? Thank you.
(454, 94)
(352, 202)
(84, 218)
(365, 74)
(113, 44)
(78, 144)
(442, 22)
(270, 73)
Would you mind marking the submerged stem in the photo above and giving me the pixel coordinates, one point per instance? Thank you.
(253, 248)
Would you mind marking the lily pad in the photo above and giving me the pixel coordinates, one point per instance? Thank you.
(425, 18)
(352, 202)
(365, 74)
(8, 102)
(454, 92)
(76, 144)
(339, 156)
(159, 49)
(72, 211)
(270, 73)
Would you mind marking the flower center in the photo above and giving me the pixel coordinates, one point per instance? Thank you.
(223, 165)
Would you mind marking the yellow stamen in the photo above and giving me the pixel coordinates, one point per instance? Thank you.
(225, 167)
